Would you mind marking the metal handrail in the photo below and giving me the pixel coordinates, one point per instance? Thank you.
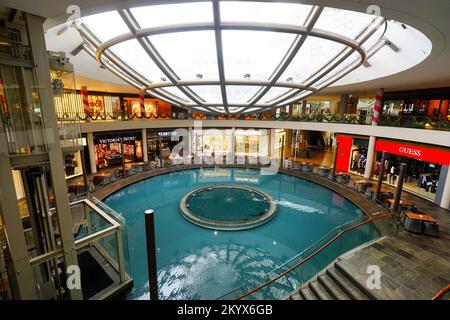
(312, 255)
(315, 243)
(441, 292)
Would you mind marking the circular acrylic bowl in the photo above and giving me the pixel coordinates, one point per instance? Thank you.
(205, 216)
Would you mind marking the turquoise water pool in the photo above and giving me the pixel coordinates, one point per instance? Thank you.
(198, 263)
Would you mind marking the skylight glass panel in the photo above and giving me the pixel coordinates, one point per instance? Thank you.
(211, 94)
(191, 55)
(253, 54)
(274, 92)
(285, 13)
(240, 94)
(303, 94)
(106, 25)
(312, 56)
(177, 92)
(369, 43)
(135, 56)
(168, 14)
(344, 22)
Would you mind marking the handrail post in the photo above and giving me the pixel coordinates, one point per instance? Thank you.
(381, 176)
(335, 155)
(398, 192)
(151, 254)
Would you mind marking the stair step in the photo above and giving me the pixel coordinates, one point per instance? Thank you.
(307, 294)
(319, 291)
(332, 288)
(295, 296)
(346, 285)
(356, 283)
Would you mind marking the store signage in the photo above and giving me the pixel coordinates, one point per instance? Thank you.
(113, 140)
(165, 133)
(426, 154)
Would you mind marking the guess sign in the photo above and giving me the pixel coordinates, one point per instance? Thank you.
(410, 152)
(438, 156)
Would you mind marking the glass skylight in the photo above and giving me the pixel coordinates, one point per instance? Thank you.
(254, 53)
(132, 52)
(244, 47)
(198, 58)
(168, 14)
(211, 94)
(285, 13)
(346, 23)
(314, 54)
(240, 94)
(104, 30)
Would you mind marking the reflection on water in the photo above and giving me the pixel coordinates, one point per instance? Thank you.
(298, 207)
(214, 271)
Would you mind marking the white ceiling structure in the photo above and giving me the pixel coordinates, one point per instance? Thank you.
(241, 57)
(247, 56)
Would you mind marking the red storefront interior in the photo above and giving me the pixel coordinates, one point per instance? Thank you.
(421, 153)
(426, 154)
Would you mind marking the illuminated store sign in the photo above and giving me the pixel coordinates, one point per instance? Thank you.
(437, 156)
(112, 140)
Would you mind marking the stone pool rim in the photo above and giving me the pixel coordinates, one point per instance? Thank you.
(221, 225)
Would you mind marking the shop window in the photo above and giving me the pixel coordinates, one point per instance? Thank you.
(393, 108)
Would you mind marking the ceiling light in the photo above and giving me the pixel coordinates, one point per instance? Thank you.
(199, 76)
(247, 76)
(62, 30)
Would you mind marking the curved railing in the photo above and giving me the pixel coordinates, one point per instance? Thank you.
(441, 293)
(418, 122)
(288, 277)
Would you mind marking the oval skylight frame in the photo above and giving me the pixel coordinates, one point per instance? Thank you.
(292, 87)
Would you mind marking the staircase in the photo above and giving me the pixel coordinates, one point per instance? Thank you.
(334, 283)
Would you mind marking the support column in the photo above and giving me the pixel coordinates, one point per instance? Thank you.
(190, 141)
(91, 149)
(44, 85)
(371, 149)
(9, 212)
(443, 192)
(151, 254)
(370, 158)
(233, 144)
(304, 104)
(144, 145)
(343, 104)
(273, 153)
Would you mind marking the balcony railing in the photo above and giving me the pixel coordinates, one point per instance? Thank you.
(417, 122)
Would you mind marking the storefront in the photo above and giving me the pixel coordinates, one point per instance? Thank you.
(359, 155)
(160, 144)
(423, 165)
(426, 165)
(433, 104)
(109, 149)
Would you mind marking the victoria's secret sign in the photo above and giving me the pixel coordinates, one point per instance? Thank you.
(417, 152)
